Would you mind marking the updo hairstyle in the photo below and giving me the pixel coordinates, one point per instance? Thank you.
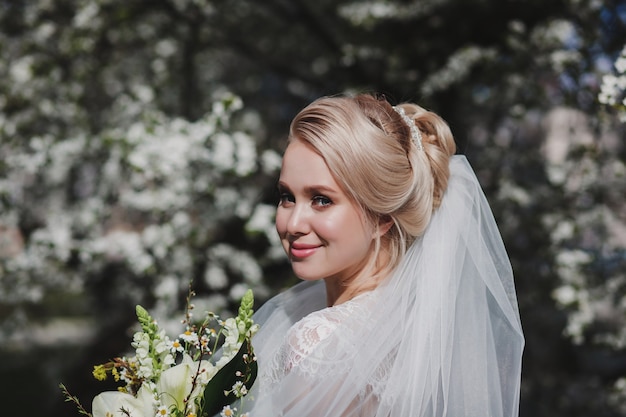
(370, 153)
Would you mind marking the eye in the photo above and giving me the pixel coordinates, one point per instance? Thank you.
(285, 199)
(321, 201)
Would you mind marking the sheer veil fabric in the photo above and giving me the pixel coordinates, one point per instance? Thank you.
(440, 337)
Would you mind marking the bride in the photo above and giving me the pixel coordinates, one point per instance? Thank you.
(408, 306)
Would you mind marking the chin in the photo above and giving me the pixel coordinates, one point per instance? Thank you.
(307, 275)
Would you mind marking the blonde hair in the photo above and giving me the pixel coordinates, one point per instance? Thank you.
(368, 149)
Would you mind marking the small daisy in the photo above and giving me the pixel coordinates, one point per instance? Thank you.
(228, 412)
(239, 389)
(189, 337)
(162, 412)
(177, 346)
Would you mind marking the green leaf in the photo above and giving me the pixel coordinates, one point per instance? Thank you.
(214, 398)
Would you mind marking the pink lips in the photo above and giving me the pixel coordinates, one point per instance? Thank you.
(302, 250)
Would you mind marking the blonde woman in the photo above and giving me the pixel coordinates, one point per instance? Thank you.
(408, 306)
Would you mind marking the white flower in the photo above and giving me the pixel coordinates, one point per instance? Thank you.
(262, 219)
(146, 370)
(239, 389)
(215, 277)
(176, 346)
(124, 245)
(620, 64)
(162, 412)
(228, 412)
(141, 343)
(111, 403)
(609, 90)
(168, 360)
(562, 231)
(565, 295)
(165, 48)
(237, 291)
(246, 154)
(85, 17)
(161, 343)
(177, 382)
(231, 343)
(270, 161)
(21, 70)
(223, 152)
(190, 337)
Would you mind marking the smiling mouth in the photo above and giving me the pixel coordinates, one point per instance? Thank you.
(302, 251)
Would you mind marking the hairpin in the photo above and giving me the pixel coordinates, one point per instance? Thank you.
(416, 135)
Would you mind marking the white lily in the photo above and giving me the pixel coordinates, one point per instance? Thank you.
(176, 382)
(111, 404)
(173, 387)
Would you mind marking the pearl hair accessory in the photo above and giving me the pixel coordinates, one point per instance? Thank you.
(416, 135)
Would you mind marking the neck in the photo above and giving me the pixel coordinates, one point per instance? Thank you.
(338, 292)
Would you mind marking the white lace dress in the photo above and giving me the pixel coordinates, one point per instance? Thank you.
(314, 355)
(317, 345)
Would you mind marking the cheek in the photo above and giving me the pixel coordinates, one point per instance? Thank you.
(280, 222)
(329, 228)
(346, 228)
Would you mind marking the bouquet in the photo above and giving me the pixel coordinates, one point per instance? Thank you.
(182, 377)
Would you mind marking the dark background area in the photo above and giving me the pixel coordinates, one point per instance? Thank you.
(511, 77)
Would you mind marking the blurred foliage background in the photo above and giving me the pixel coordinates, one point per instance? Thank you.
(140, 143)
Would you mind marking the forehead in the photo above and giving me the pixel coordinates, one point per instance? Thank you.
(302, 164)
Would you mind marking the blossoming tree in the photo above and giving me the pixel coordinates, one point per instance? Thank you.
(133, 157)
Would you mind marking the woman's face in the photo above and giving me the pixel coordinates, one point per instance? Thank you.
(322, 231)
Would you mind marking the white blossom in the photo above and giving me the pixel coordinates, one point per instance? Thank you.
(86, 16)
(246, 154)
(270, 161)
(457, 67)
(147, 195)
(513, 192)
(21, 70)
(215, 277)
(565, 295)
(613, 88)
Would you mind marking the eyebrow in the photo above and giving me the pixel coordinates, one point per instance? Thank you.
(310, 189)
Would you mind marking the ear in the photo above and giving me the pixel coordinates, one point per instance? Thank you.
(384, 224)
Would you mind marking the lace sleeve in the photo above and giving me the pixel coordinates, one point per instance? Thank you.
(313, 347)
(305, 336)
(316, 357)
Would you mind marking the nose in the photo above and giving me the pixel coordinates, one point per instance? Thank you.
(298, 223)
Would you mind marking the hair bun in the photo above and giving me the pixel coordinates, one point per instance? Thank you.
(438, 146)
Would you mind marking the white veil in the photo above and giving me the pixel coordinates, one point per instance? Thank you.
(440, 337)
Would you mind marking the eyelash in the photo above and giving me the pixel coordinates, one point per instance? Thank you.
(322, 201)
(285, 198)
(318, 200)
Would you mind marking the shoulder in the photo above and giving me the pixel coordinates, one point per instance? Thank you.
(326, 334)
(304, 336)
(296, 302)
(321, 343)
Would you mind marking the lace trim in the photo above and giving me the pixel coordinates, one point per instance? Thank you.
(311, 346)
